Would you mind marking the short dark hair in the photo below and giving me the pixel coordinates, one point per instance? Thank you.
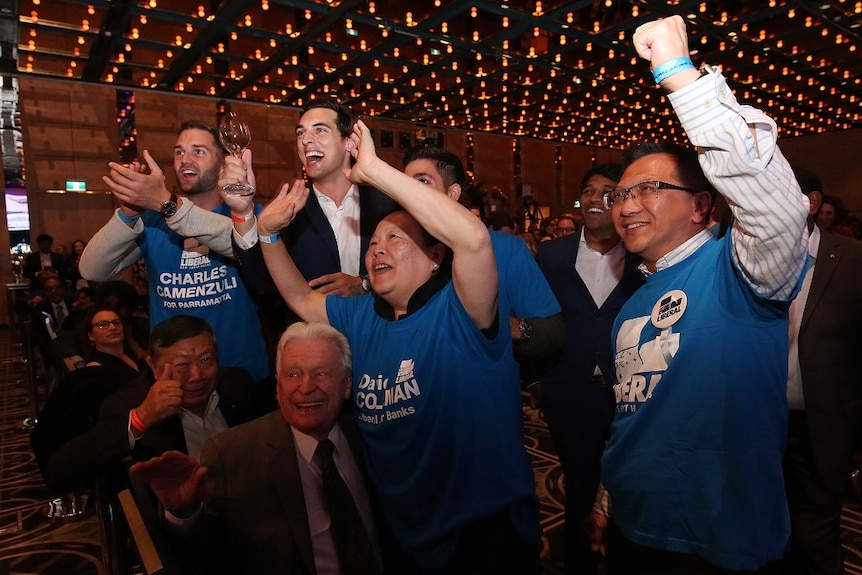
(44, 238)
(609, 171)
(177, 328)
(688, 168)
(499, 220)
(198, 125)
(345, 118)
(448, 164)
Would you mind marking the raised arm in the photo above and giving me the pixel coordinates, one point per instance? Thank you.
(307, 303)
(474, 269)
(141, 187)
(739, 154)
(111, 250)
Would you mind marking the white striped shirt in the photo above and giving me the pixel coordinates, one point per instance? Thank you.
(769, 233)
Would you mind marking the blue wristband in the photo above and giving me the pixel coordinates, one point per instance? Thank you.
(127, 219)
(671, 67)
(269, 239)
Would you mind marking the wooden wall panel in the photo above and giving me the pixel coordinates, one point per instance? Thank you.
(539, 170)
(494, 163)
(69, 132)
(834, 157)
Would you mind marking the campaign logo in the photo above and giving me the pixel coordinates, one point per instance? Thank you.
(669, 309)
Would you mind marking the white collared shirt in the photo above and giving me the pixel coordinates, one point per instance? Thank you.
(344, 220)
(795, 397)
(196, 430)
(680, 252)
(325, 558)
(600, 272)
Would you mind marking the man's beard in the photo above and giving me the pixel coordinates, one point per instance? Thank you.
(206, 182)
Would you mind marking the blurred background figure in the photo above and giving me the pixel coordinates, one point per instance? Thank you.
(833, 215)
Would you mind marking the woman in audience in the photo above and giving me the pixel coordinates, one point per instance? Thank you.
(435, 386)
(832, 215)
(71, 273)
(74, 405)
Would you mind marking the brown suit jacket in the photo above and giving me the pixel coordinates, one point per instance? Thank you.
(830, 343)
(255, 519)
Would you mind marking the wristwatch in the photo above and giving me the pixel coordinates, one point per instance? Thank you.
(525, 328)
(169, 208)
(366, 283)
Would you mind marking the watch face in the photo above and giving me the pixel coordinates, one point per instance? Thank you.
(169, 208)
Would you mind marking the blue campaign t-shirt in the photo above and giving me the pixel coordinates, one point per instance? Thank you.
(439, 409)
(694, 463)
(185, 277)
(524, 291)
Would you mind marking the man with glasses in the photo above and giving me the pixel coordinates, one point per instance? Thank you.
(185, 399)
(566, 226)
(592, 276)
(693, 465)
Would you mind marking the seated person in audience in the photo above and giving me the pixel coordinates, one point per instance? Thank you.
(73, 406)
(176, 405)
(266, 472)
(436, 387)
(49, 310)
(72, 344)
(122, 297)
(42, 261)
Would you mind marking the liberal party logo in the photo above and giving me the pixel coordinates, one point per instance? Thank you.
(195, 254)
(669, 309)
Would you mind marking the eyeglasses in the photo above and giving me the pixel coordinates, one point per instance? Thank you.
(601, 191)
(104, 324)
(640, 192)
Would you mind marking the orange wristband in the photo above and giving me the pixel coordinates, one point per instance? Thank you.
(136, 422)
(244, 218)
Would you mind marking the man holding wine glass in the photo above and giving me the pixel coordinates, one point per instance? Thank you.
(329, 237)
(191, 267)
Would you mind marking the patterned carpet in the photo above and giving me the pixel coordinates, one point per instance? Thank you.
(32, 543)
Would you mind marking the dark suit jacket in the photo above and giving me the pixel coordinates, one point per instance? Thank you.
(254, 513)
(578, 412)
(33, 264)
(311, 242)
(830, 339)
(82, 459)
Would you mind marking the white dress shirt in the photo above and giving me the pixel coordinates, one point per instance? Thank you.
(325, 559)
(600, 272)
(344, 220)
(795, 397)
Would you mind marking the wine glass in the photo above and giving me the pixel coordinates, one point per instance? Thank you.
(235, 136)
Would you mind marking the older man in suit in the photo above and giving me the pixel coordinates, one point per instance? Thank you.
(825, 423)
(259, 500)
(186, 399)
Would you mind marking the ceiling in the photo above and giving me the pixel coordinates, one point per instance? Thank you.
(563, 71)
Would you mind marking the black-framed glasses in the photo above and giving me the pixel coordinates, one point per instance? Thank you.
(640, 191)
(104, 324)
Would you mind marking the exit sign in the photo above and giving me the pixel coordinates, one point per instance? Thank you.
(76, 186)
